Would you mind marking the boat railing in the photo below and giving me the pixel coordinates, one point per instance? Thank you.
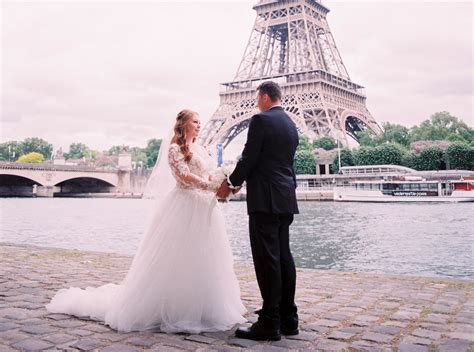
(446, 192)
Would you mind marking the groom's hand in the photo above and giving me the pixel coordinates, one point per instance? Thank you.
(223, 191)
(236, 190)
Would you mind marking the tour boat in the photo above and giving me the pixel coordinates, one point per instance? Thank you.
(406, 189)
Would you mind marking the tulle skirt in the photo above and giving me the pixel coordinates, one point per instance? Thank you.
(181, 279)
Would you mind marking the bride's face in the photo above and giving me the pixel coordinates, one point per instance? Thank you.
(193, 126)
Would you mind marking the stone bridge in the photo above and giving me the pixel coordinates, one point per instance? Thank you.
(48, 180)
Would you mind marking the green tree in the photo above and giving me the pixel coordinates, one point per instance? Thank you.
(91, 154)
(117, 149)
(460, 156)
(431, 158)
(12, 153)
(442, 126)
(139, 156)
(346, 160)
(389, 153)
(394, 133)
(3, 153)
(367, 138)
(410, 159)
(326, 142)
(76, 151)
(364, 156)
(381, 155)
(151, 151)
(38, 145)
(305, 163)
(304, 143)
(456, 138)
(32, 157)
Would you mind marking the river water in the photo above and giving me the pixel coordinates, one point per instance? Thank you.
(424, 239)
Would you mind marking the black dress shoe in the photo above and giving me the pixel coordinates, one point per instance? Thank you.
(289, 326)
(287, 331)
(258, 332)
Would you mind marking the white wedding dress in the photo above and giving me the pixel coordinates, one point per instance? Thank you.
(182, 277)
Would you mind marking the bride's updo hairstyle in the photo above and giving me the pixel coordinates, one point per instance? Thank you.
(182, 120)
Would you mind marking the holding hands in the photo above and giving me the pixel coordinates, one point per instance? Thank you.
(224, 191)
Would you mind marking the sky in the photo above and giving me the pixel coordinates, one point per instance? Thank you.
(111, 73)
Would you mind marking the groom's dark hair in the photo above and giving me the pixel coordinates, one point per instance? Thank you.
(270, 88)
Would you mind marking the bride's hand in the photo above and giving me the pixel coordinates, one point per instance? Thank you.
(223, 191)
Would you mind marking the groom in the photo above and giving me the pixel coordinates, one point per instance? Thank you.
(267, 166)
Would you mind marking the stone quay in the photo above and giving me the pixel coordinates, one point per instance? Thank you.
(339, 311)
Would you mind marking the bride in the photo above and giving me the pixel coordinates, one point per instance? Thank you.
(181, 278)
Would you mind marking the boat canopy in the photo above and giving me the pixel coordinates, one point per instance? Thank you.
(375, 169)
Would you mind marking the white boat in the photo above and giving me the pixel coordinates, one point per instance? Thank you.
(406, 189)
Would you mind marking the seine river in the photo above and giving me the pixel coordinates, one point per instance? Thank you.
(425, 239)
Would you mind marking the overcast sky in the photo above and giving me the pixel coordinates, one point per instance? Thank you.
(107, 73)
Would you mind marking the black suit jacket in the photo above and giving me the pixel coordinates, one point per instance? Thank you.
(267, 163)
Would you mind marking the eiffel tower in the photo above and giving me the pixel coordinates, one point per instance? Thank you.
(291, 43)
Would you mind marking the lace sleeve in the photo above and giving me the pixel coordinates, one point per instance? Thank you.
(181, 172)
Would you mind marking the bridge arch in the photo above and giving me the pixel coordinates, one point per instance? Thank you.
(79, 184)
(17, 186)
(69, 178)
(11, 179)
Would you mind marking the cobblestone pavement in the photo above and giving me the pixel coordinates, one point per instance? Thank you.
(338, 311)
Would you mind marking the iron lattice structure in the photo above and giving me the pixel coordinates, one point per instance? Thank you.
(291, 43)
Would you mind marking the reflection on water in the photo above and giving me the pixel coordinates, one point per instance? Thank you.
(414, 239)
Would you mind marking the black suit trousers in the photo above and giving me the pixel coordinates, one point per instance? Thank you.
(274, 267)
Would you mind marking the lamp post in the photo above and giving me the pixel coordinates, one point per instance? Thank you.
(219, 155)
(338, 155)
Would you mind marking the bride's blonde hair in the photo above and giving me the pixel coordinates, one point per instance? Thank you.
(182, 120)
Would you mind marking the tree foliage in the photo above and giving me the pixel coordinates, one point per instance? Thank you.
(326, 142)
(139, 156)
(431, 158)
(29, 145)
(346, 160)
(38, 145)
(392, 133)
(32, 157)
(117, 149)
(76, 151)
(304, 143)
(460, 156)
(442, 126)
(16, 150)
(151, 151)
(305, 163)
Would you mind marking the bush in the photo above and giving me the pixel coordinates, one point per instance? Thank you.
(388, 154)
(460, 156)
(37, 145)
(431, 158)
(31, 158)
(304, 143)
(327, 143)
(346, 160)
(305, 163)
(364, 156)
(410, 159)
(380, 155)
